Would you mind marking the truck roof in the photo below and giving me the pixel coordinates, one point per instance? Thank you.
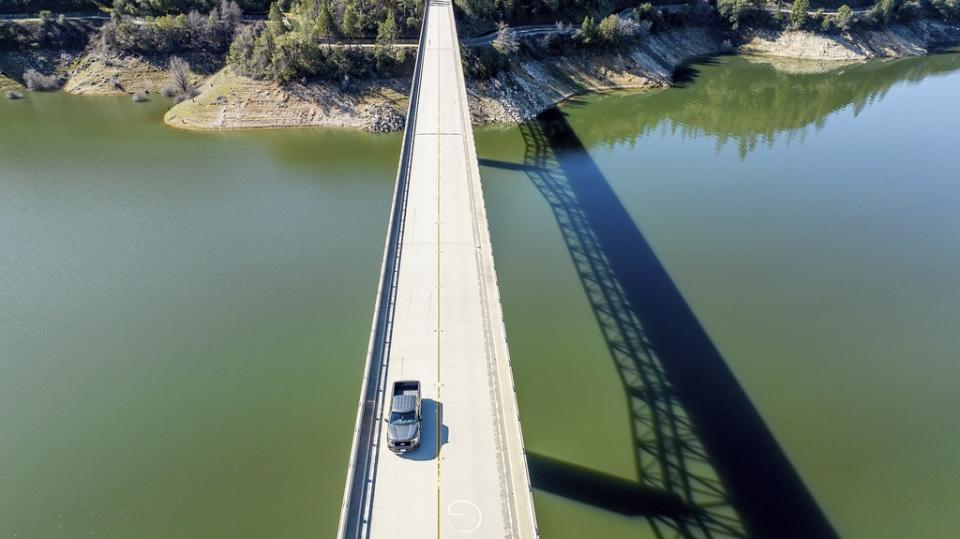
(404, 403)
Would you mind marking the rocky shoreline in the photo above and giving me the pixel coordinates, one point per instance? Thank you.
(531, 85)
(916, 39)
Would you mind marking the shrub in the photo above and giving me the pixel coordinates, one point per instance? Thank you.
(844, 18)
(388, 59)
(139, 97)
(483, 62)
(646, 12)
(13, 94)
(38, 82)
(506, 42)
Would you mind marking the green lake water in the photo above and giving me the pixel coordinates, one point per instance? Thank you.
(183, 320)
(183, 316)
(812, 223)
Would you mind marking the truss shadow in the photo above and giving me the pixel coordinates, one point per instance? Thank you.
(706, 464)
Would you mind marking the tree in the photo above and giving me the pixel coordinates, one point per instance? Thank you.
(828, 23)
(387, 31)
(276, 18)
(738, 11)
(242, 49)
(798, 13)
(386, 35)
(351, 21)
(588, 34)
(197, 24)
(608, 29)
(844, 17)
(230, 14)
(180, 76)
(326, 24)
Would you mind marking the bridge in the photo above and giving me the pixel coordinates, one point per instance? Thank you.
(438, 319)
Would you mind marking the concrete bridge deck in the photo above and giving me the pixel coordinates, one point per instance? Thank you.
(438, 320)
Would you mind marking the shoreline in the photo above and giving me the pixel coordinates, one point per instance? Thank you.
(530, 85)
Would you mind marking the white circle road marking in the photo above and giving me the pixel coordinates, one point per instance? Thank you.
(472, 513)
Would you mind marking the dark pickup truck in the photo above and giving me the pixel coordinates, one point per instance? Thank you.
(403, 425)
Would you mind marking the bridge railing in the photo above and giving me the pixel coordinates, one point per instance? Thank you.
(496, 329)
(356, 495)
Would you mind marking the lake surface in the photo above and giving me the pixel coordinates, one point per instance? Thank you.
(183, 316)
(811, 223)
(183, 321)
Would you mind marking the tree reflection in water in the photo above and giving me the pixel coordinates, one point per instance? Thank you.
(756, 103)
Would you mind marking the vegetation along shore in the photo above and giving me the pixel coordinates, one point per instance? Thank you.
(231, 64)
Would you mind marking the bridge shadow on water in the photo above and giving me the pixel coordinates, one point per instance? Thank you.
(706, 464)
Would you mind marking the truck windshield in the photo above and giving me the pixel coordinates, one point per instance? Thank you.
(402, 418)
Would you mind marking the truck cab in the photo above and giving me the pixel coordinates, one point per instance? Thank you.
(404, 422)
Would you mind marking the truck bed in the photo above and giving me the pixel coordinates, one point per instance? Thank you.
(406, 387)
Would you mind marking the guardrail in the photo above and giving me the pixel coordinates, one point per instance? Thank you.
(493, 309)
(357, 488)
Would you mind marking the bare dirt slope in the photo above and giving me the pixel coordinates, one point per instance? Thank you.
(230, 101)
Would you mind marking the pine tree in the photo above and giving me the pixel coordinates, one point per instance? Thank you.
(351, 21)
(276, 18)
(326, 24)
(798, 13)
